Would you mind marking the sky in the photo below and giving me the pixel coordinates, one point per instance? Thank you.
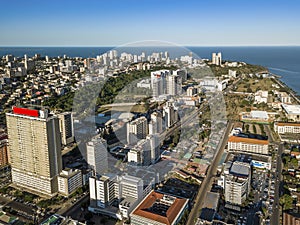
(117, 22)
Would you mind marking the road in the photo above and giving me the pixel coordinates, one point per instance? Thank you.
(68, 208)
(275, 219)
(207, 182)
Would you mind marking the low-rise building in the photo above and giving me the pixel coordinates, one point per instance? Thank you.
(159, 209)
(248, 144)
(282, 128)
(292, 112)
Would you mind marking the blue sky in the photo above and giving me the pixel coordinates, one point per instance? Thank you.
(113, 22)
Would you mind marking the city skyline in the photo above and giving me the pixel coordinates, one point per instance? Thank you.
(75, 23)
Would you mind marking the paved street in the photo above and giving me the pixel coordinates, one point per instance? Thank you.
(207, 182)
(275, 220)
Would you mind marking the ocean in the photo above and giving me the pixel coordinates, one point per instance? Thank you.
(282, 61)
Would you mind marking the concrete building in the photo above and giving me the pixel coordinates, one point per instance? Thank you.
(247, 144)
(159, 209)
(104, 190)
(191, 91)
(154, 142)
(237, 182)
(174, 85)
(282, 128)
(97, 155)
(69, 180)
(170, 115)
(216, 58)
(137, 130)
(261, 96)
(156, 123)
(291, 218)
(66, 127)
(140, 154)
(4, 160)
(35, 149)
(292, 112)
(285, 97)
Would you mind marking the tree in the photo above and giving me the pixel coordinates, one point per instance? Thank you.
(286, 201)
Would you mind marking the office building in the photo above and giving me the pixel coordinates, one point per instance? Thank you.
(97, 155)
(66, 127)
(248, 143)
(4, 160)
(35, 149)
(237, 182)
(137, 130)
(160, 209)
(69, 180)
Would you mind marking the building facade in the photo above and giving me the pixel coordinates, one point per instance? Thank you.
(69, 181)
(97, 155)
(35, 149)
(248, 145)
(66, 127)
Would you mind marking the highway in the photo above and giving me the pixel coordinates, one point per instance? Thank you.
(275, 219)
(207, 182)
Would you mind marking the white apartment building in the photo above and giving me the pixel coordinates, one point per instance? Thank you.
(237, 182)
(35, 149)
(282, 128)
(217, 58)
(69, 181)
(97, 155)
(250, 145)
(137, 129)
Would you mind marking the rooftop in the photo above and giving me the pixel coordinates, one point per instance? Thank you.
(161, 208)
(240, 168)
(211, 200)
(288, 124)
(248, 140)
(291, 109)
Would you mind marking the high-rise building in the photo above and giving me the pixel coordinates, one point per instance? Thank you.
(156, 123)
(154, 142)
(4, 160)
(137, 129)
(174, 83)
(97, 156)
(217, 58)
(237, 182)
(170, 116)
(35, 149)
(140, 154)
(104, 190)
(158, 82)
(66, 127)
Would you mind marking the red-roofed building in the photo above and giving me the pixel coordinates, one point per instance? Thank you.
(251, 145)
(159, 209)
(282, 128)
